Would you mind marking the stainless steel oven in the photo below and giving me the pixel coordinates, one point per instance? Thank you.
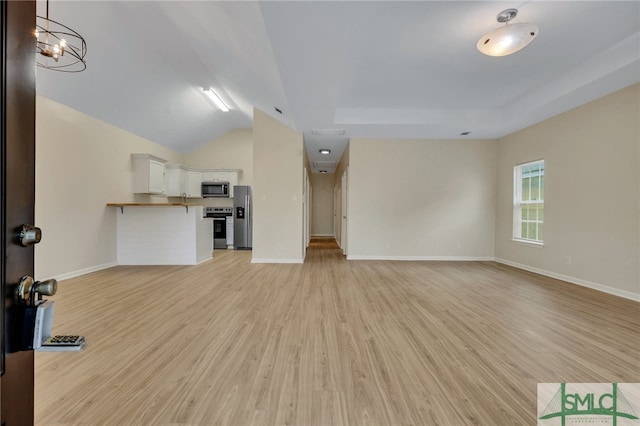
(219, 216)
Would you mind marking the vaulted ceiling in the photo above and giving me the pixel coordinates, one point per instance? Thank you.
(373, 68)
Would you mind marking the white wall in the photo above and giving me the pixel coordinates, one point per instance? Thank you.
(277, 192)
(592, 191)
(82, 164)
(322, 204)
(233, 150)
(421, 199)
(408, 199)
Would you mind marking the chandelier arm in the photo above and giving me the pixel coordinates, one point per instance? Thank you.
(72, 32)
(61, 68)
(75, 46)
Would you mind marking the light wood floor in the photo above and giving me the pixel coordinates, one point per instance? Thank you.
(327, 342)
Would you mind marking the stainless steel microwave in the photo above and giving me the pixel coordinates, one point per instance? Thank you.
(215, 189)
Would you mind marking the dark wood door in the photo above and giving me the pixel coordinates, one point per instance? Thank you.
(17, 181)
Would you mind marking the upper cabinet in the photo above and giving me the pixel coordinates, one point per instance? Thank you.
(153, 175)
(182, 182)
(148, 174)
(233, 180)
(194, 184)
(176, 180)
(212, 176)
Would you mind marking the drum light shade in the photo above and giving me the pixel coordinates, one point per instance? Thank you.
(508, 39)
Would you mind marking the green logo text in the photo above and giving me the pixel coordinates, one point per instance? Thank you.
(613, 404)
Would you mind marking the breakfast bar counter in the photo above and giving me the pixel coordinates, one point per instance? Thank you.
(123, 205)
(161, 234)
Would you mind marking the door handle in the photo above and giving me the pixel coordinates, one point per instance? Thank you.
(28, 288)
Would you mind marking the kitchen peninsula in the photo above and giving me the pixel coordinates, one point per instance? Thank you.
(162, 234)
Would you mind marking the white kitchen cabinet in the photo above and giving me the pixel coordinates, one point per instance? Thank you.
(233, 180)
(175, 180)
(194, 184)
(148, 174)
(215, 176)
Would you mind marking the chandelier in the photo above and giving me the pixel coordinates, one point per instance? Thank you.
(62, 48)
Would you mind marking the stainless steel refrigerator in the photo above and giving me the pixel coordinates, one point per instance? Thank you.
(242, 220)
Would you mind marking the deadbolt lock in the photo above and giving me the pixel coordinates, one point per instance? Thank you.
(29, 235)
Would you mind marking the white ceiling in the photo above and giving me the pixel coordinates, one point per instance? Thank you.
(375, 69)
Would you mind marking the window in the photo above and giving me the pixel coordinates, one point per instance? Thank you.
(528, 202)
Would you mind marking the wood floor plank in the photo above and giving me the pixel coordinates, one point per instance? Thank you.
(328, 342)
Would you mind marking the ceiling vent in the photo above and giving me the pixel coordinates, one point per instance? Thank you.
(324, 165)
(328, 132)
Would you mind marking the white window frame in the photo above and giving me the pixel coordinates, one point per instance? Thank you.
(518, 203)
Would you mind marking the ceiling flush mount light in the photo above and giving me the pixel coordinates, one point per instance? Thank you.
(508, 39)
(63, 48)
(324, 151)
(216, 99)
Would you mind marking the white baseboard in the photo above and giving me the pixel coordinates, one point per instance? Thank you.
(205, 259)
(85, 271)
(419, 258)
(277, 260)
(573, 280)
(323, 236)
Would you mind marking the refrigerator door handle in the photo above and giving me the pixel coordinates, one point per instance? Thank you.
(248, 204)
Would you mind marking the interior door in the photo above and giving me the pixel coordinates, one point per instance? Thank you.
(335, 211)
(17, 181)
(306, 226)
(339, 213)
(343, 231)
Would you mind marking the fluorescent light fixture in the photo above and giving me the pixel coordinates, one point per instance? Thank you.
(324, 151)
(508, 39)
(216, 99)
